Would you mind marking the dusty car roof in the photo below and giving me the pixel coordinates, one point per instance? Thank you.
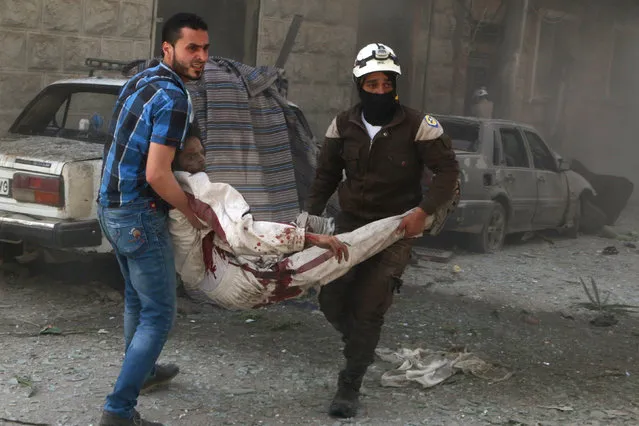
(99, 81)
(470, 119)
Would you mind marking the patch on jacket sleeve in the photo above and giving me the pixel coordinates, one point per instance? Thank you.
(429, 129)
(333, 131)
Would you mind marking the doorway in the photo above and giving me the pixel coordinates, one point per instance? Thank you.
(233, 25)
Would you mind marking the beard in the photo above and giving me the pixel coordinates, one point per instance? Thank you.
(187, 70)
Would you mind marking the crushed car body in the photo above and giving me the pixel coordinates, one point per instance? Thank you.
(511, 182)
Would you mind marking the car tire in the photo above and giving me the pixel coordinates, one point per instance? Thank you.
(492, 236)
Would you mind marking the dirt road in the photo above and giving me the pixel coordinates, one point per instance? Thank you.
(519, 308)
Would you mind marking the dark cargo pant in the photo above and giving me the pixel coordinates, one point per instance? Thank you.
(355, 304)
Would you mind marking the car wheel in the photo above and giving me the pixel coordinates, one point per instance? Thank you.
(492, 236)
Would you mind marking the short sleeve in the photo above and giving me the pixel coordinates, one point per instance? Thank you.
(170, 122)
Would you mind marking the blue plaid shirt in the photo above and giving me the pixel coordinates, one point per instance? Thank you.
(153, 107)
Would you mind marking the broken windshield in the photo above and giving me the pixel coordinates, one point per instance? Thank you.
(464, 135)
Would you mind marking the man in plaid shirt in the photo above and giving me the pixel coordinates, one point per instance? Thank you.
(150, 121)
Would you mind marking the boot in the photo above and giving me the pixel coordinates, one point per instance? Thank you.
(346, 401)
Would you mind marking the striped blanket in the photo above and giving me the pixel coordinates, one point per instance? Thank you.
(254, 139)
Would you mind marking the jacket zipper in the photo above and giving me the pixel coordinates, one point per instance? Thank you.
(368, 160)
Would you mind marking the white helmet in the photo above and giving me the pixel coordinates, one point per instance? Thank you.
(481, 92)
(375, 57)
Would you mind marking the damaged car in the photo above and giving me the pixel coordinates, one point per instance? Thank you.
(512, 183)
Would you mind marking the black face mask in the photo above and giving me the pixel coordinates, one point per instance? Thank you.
(378, 109)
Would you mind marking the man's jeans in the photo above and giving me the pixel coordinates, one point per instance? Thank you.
(140, 237)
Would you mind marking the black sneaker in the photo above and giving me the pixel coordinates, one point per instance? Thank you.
(110, 419)
(164, 373)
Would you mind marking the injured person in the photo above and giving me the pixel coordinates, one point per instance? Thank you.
(239, 263)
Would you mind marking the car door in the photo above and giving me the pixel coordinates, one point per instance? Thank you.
(552, 187)
(518, 178)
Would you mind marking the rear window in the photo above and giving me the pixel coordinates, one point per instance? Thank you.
(80, 112)
(465, 136)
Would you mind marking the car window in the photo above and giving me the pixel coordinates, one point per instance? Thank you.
(496, 149)
(514, 148)
(95, 108)
(80, 112)
(542, 157)
(464, 136)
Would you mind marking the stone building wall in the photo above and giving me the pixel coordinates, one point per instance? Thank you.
(47, 40)
(581, 116)
(319, 67)
(440, 66)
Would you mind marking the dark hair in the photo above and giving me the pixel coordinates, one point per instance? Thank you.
(392, 77)
(172, 28)
(193, 131)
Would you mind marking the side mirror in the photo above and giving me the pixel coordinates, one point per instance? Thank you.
(564, 165)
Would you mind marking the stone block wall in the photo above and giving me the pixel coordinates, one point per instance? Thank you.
(319, 67)
(440, 66)
(47, 40)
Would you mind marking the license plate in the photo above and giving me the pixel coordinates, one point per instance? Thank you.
(5, 186)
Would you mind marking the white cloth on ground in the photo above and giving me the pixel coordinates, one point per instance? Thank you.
(430, 368)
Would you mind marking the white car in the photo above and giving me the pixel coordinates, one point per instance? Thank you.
(50, 167)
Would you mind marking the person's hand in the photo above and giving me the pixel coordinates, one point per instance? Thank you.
(194, 221)
(414, 223)
(329, 242)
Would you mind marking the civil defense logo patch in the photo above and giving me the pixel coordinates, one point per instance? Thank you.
(431, 121)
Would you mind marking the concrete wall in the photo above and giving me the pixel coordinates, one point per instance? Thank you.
(319, 68)
(46, 40)
(593, 126)
(448, 37)
(602, 129)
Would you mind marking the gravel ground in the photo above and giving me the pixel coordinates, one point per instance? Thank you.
(519, 308)
(543, 273)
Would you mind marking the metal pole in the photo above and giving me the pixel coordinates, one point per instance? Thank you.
(515, 107)
(289, 41)
(154, 25)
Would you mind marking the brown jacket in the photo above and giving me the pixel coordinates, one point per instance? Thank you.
(383, 178)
